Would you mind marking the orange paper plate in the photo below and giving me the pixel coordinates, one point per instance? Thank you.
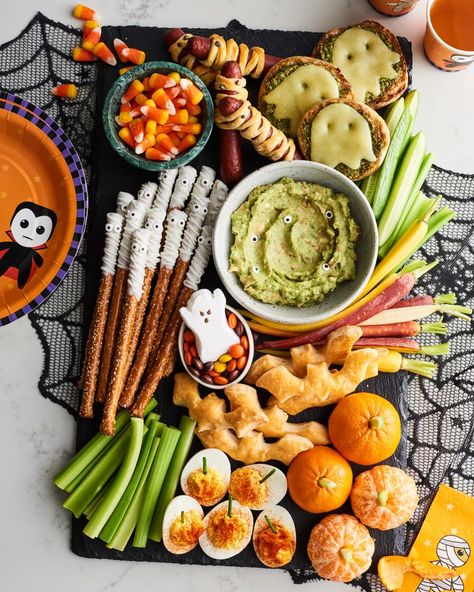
(43, 204)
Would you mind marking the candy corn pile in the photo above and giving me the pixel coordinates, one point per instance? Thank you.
(158, 115)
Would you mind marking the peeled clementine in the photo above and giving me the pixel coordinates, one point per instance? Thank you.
(340, 548)
(384, 497)
(319, 479)
(365, 428)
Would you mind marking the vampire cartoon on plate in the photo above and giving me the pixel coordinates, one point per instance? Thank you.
(31, 227)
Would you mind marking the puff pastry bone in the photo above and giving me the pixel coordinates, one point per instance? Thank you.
(249, 121)
(307, 380)
(241, 432)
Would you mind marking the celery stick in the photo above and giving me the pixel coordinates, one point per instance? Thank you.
(412, 102)
(157, 475)
(389, 165)
(400, 190)
(80, 462)
(94, 503)
(129, 521)
(417, 211)
(115, 519)
(95, 481)
(119, 484)
(186, 426)
(392, 116)
(420, 179)
(152, 417)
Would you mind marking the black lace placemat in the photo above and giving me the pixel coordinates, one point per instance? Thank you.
(439, 430)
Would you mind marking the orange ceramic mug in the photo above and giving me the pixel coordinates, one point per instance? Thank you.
(394, 7)
(449, 36)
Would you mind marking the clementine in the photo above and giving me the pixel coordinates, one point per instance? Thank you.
(340, 548)
(365, 428)
(384, 497)
(319, 479)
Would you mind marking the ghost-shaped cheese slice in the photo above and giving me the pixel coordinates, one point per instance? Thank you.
(341, 135)
(364, 60)
(299, 91)
(205, 316)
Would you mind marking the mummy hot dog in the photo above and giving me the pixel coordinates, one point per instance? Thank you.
(113, 232)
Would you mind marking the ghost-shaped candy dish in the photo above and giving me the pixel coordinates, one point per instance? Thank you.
(215, 341)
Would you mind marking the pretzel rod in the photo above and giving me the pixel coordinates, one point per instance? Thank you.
(177, 40)
(214, 51)
(135, 216)
(165, 353)
(236, 113)
(197, 210)
(146, 193)
(175, 222)
(127, 326)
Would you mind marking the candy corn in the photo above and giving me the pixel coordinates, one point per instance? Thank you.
(136, 56)
(79, 54)
(66, 91)
(123, 70)
(103, 53)
(84, 13)
(88, 26)
(92, 39)
(119, 46)
(158, 116)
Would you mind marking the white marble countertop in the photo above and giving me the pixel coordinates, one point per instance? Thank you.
(36, 436)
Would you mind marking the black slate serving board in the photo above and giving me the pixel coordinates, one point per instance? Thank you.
(111, 174)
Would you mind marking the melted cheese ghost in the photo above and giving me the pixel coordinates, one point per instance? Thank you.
(299, 91)
(364, 59)
(340, 135)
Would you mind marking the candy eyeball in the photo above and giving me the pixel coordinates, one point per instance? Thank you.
(208, 242)
(142, 249)
(172, 220)
(205, 182)
(196, 206)
(200, 240)
(326, 267)
(135, 247)
(254, 238)
(117, 228)
(109, 228)
(256, 269)
(329, 214)
(287, 219)
(184, 182)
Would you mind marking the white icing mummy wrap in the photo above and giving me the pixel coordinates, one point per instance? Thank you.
(182, 188)
(113, 232)
(196, 210)
(165, 189)
(200, 259)
(146, 193)
(175, 223)
(218, 196)
(124, 199)
(136, 272)
(154, 223)
(203, 184)
(135, 217)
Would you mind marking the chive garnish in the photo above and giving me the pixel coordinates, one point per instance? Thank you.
(229, 507)
(182, 516)
(270, 524)
(263, 479)
(204, 465)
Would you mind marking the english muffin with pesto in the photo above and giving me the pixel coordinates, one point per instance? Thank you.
(371, 59)
(344, 134)
(294, 85)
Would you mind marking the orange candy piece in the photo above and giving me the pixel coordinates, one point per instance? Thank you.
(135, 88)
(148, 142)
(84, 13)
(181, 116)
(79, 54)
(103, 53)
(136, 56)
(191, 92)
(126, 135)
(158, 80)
(236, 351)
(65, 91)
(88, 26)
(165, 142)
(155, 154)
(190, 128)
(156, 114)
(137, 127)
(188, 141)
(163, 101)
(123, 70)
(119, 46)
(92, 39)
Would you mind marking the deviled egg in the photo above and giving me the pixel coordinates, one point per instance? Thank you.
(274, 537)
(183, 524)
(257, 486)
(206, 476)
(228, 530)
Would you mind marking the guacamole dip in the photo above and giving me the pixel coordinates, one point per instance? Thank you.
(294, 242)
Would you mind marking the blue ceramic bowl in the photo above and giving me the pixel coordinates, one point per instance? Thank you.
(112, 106)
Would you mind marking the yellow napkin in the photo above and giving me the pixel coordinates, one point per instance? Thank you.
(446, 538)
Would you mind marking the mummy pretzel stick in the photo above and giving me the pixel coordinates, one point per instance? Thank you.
(146, 193)
(124, 199)
(217, 197)
(182, 187)
(235, 112)
(175, 223)
(135, 279)
(197, 209)
(165, 189)
(134, 219)
(113, 232)
(167, 350)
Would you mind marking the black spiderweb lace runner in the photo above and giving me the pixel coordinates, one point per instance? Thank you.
(440, 427)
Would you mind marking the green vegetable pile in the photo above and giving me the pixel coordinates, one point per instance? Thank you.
(394, 190)
(123, 483)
